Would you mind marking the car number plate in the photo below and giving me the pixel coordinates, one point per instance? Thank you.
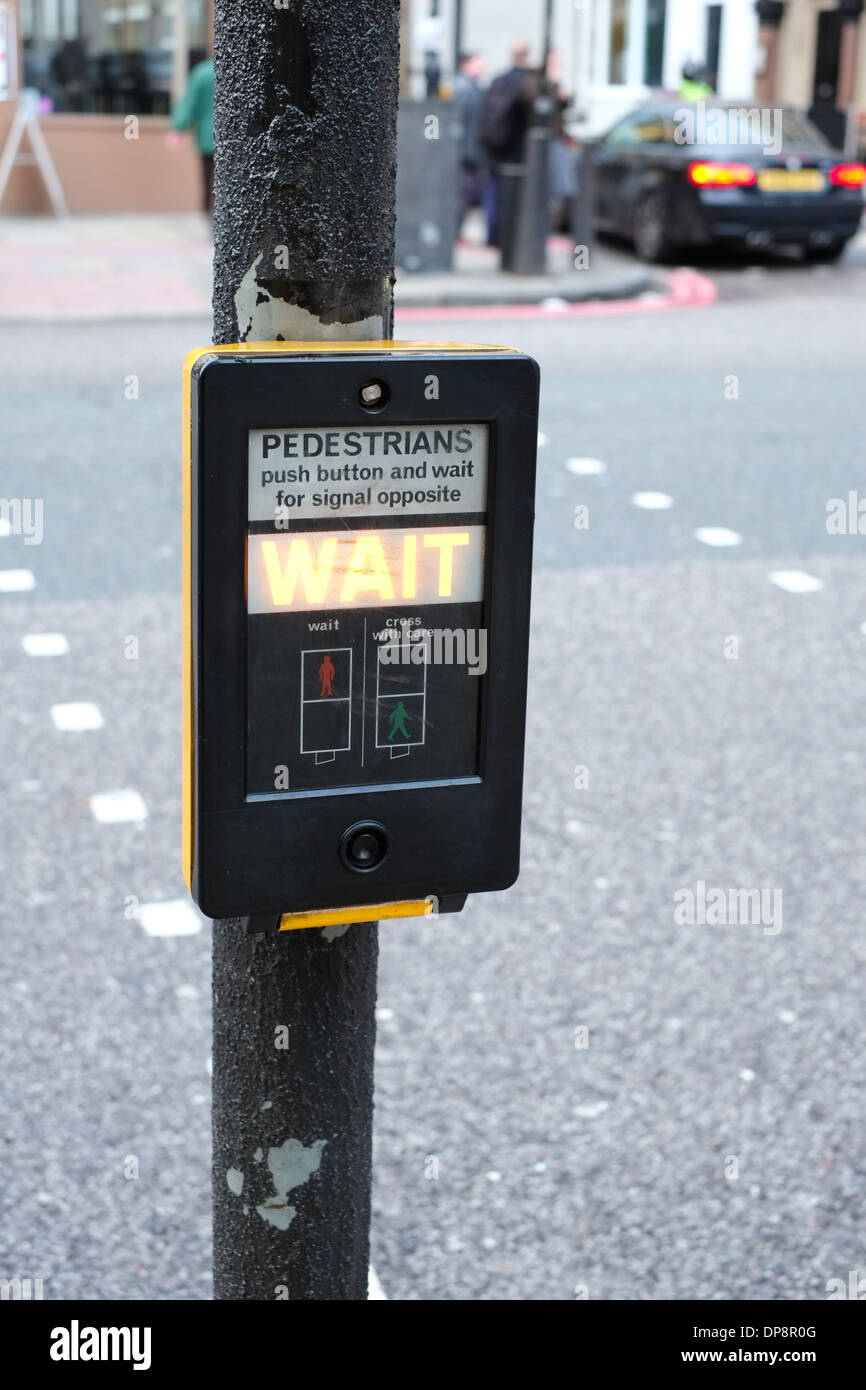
(791, 181)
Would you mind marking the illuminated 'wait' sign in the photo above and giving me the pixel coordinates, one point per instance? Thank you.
(309, 570)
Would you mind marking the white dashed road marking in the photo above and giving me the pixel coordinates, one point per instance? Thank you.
(45, 644)
(591, 1110)
(16, 581)
(78, 715)
(112, 808)
(175, 918)
(718, 536)
(585, 467)
(796, 581)
(374, 1288)
(652, 501)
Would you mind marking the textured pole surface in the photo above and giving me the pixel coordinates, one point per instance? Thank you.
(306, 104)
(306, 109)
(293, 1110)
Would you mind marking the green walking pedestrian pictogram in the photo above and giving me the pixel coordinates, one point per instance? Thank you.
(398, 721)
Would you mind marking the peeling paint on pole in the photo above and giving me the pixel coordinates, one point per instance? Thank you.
(235, 1181)
(263, 317)
(291, 1165)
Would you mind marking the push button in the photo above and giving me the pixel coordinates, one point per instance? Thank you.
(364, 846)
(364, 850)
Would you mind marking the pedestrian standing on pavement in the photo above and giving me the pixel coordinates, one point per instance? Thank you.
(505, 117)
(694, 85)
(469, 99)
(563, 159)
(194, 112)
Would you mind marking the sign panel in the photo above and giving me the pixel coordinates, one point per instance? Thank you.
(318, 472)
(373, 696)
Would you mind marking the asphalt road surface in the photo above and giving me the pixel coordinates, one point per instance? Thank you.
(620, 1104)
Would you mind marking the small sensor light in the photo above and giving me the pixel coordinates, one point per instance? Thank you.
(373, 394)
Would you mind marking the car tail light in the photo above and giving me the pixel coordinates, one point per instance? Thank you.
(716, 175)
(848, 175)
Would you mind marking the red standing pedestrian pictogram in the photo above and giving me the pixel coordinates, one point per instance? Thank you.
(327, 671)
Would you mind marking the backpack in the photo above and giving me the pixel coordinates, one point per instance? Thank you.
(503, 116)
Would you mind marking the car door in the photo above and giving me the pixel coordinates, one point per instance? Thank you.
(630, 158)
(610, 165)
(644, 160)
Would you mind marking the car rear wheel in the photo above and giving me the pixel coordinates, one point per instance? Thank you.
(822, 255)
(652, 241)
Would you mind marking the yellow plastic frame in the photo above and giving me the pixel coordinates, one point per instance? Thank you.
(324, 917)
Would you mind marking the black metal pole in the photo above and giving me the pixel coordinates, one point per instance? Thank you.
(583, 205)
(305, 118)
(458, 33)
(528, 254)
(547, 43)
(305, 168)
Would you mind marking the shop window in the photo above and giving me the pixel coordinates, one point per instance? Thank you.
(618, 40)
(107, 56)
(714, 43)
(654, 50)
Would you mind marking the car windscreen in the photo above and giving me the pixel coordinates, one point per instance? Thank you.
(749, 125)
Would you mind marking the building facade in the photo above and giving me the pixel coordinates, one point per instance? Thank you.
(95, 63)
(811, 53)
(612, 52)
(815, 57)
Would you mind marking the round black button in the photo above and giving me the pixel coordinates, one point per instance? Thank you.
(364, 846)
(364, 850)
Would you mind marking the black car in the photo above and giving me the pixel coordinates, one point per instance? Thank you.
(676, 174)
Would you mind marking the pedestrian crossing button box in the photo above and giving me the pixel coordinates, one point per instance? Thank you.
(358, 538)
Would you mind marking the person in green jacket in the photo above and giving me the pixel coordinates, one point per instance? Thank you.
(694, 86)
(194, 112)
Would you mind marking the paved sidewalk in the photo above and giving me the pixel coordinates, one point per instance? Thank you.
(477, 279)
(159, 266)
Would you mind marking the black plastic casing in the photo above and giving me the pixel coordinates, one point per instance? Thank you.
(281, 854)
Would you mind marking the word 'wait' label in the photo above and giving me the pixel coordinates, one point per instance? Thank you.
(310, 570)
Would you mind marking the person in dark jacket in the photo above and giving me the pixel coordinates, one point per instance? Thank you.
(507, 108)
(469, 99)
(505, 117)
